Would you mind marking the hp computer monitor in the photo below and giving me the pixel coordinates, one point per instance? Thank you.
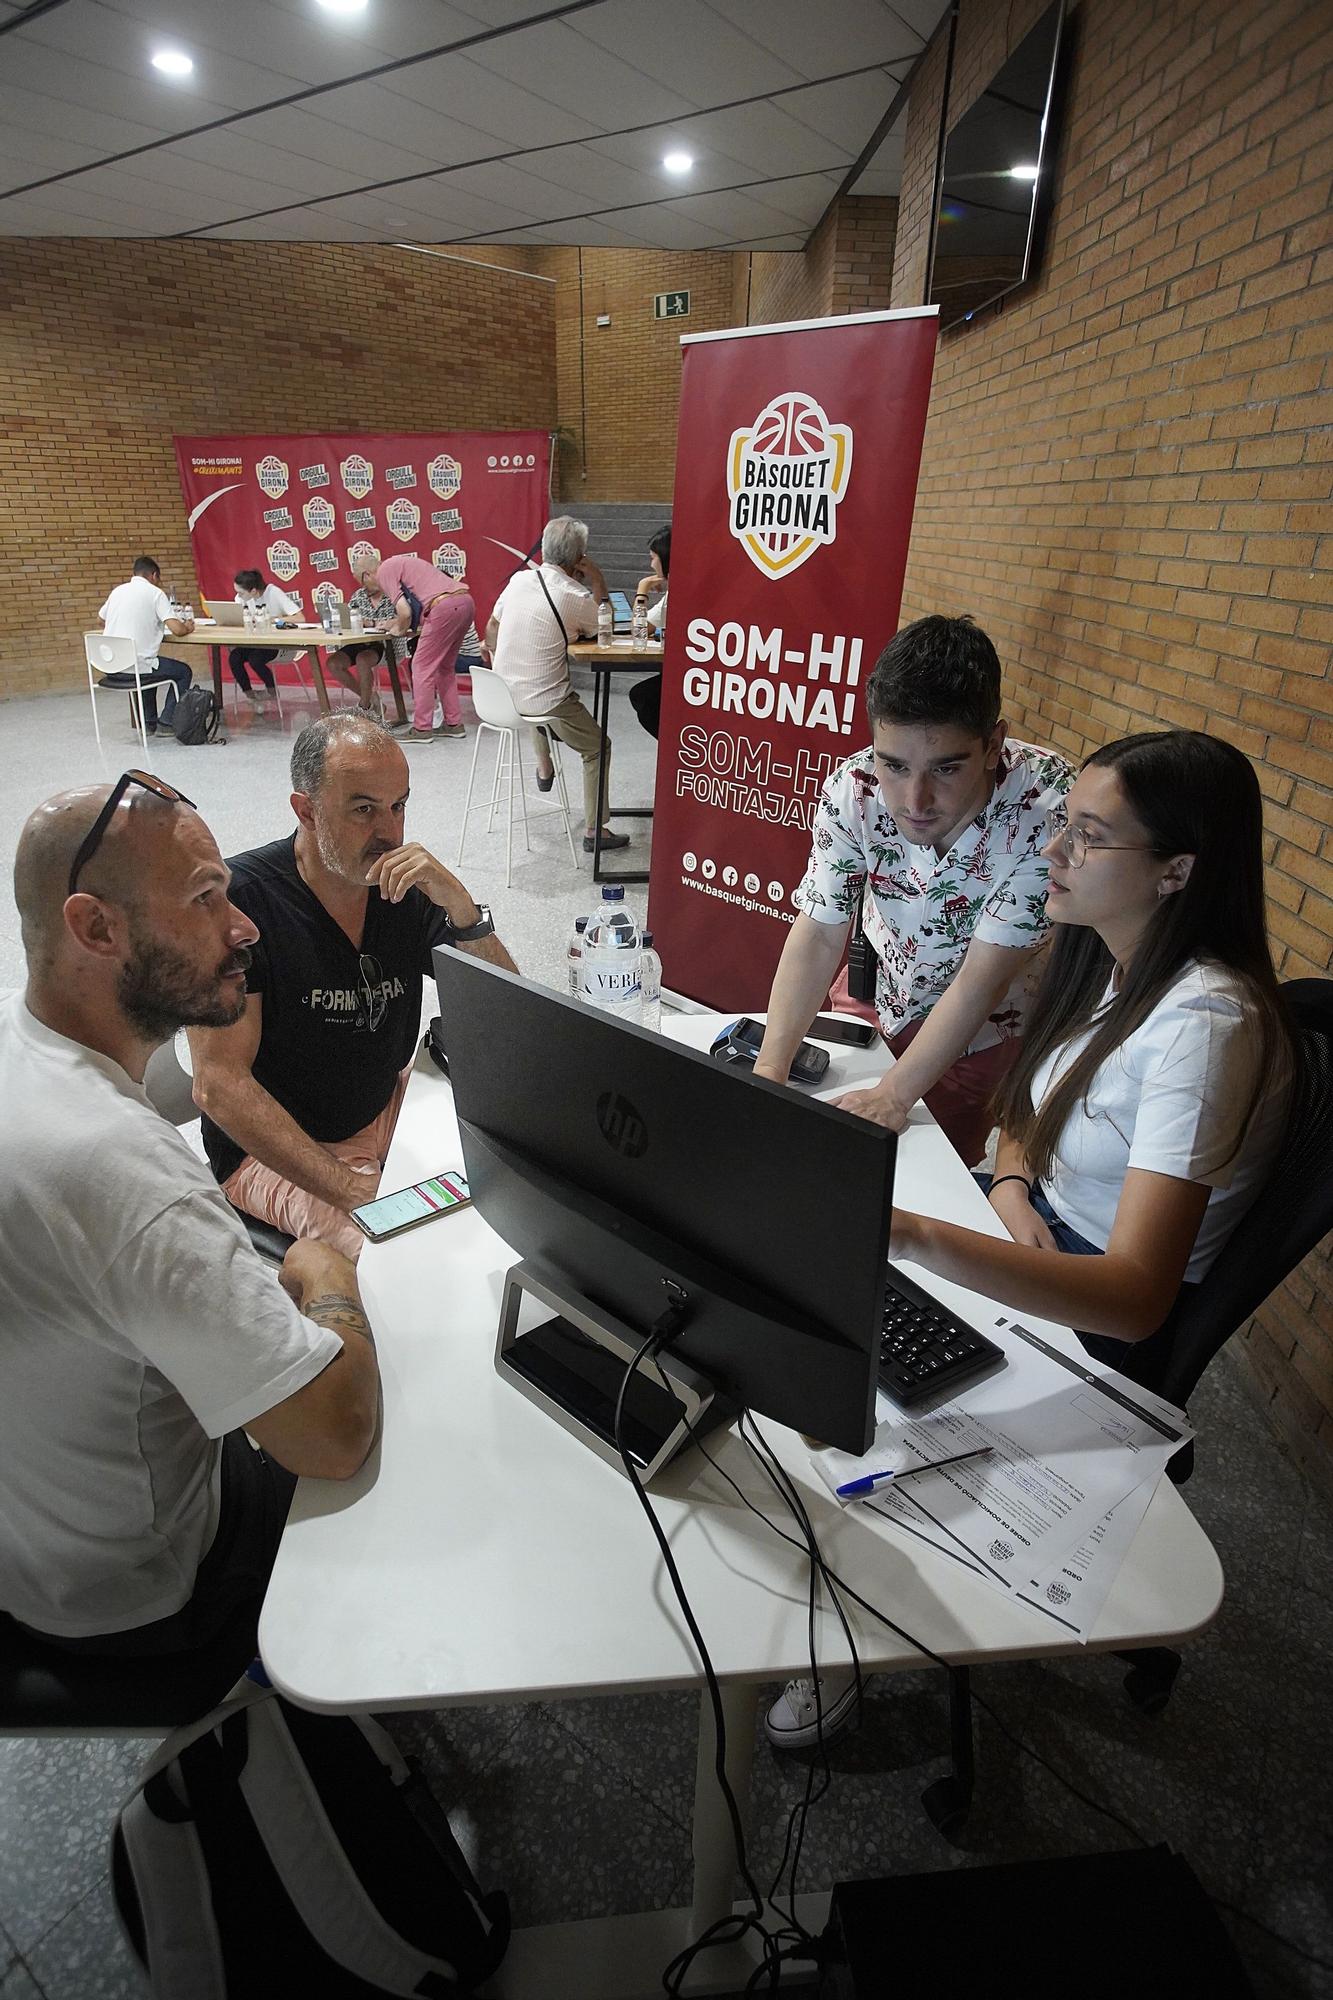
(612, 1160)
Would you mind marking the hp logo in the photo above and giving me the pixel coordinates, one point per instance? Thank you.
(620, 1125)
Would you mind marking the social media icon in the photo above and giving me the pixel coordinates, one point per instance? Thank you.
(752, 885)
(708, 870)
(729, 877)
(775, 892)
(689, 861)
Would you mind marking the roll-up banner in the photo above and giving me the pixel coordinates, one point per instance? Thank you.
(304, 510)
(796, 470)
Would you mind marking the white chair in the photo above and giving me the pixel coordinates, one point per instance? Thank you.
(496, 711)
(117, 656)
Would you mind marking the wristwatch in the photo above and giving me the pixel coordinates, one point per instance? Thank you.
(483, 928)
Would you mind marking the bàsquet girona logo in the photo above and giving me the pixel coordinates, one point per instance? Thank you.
(786, 474)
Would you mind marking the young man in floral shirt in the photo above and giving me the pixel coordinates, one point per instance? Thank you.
(936, 830)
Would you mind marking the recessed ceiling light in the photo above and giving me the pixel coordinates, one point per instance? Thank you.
(173, 62)
(343, 6)
(1023, 173)
(678, 163)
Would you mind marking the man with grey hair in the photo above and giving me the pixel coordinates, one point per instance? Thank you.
(537, 614)
(300, 1096)
(142, 1336)
(440, 612)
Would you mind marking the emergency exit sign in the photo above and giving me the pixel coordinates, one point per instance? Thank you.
(671, 305)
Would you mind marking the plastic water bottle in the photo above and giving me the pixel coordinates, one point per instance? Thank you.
(247, 614)
(609, 969)
(638, 631)
(605, 623)
(650, 984)
(574, 955)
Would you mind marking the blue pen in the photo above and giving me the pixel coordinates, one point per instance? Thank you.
(855, 1489)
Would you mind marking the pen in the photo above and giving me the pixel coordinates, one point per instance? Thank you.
(855, 1488)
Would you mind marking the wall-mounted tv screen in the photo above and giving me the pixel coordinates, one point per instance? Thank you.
(997, 160)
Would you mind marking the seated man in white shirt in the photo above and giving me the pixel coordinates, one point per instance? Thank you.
(140, 610)
(536, 617)
(142, 1336)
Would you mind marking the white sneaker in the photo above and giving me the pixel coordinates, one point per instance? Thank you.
(793, 1722)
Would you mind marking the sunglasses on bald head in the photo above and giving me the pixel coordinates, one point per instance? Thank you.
(93, 838)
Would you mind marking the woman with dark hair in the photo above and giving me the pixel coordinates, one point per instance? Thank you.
(1147, 1103)
(1148, 1100)
(272, 603)
(646, 696)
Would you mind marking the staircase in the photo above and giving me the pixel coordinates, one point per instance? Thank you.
(618, 533)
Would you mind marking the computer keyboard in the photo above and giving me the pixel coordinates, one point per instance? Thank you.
(924, 1348)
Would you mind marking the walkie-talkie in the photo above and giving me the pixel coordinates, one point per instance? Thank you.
(861, 963)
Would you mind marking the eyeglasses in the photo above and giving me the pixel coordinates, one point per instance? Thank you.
(1077, 846)
(372, 988)
(93, 838)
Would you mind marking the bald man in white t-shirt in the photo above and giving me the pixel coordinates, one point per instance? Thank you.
(143, 1338)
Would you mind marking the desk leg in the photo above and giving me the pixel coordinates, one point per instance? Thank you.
(601, 714)
(714, 1842)
(215, 655)
(317, 668)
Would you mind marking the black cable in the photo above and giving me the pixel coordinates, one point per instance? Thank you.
(731, 1928)
(761, 1447)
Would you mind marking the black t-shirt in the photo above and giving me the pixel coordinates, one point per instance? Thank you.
(339, 1024)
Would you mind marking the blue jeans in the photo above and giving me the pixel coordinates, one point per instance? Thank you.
(180, 680)
(1142, 1360)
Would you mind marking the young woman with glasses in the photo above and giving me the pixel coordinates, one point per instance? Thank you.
(1147, 1104)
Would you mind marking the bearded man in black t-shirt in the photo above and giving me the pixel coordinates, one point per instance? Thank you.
(300, 1097)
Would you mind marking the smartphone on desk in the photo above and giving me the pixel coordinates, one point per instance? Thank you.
(390, 1214)
(844, 1028)
(741, 1043)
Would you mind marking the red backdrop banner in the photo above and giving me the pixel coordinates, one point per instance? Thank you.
(796, 475)
(301, 509)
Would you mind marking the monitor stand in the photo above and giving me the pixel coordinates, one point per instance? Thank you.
(570, 1359)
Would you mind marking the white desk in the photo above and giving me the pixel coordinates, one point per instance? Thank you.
(484, 1555)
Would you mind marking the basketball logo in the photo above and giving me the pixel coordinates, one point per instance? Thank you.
(326, 593)
(444, 476)
(272, 476)
(785, 477)
(451, 559)
(319, 518)
(361, 555)
(283, 560)
(402, 520)
(358, 475)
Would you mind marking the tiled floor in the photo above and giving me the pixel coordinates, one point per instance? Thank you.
(581, 1808)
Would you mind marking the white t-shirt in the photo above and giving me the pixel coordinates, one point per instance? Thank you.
(137, 1327)
(275, 603)
(138, 610)
(530, 649)
(1169, 1100)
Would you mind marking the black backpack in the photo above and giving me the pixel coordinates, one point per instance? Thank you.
(267, 1852)
(197, 717)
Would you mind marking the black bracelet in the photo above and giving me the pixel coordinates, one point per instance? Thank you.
(1002, 1178)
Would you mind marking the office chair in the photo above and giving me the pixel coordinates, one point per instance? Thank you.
(169, 1089)
(45, 1691)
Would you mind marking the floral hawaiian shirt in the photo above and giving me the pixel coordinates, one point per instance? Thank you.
(374, 610)
(924, 909)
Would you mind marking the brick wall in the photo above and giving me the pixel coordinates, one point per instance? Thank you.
(618, 389)
(847, 267)
(107, 348)
(1128, 469)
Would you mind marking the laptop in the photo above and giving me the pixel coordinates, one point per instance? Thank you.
(622, 611)
(227, 614)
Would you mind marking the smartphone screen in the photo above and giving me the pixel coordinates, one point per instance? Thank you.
(842, 1028)
(391, 1213)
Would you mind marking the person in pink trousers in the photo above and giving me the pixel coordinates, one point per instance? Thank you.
(446, 612)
